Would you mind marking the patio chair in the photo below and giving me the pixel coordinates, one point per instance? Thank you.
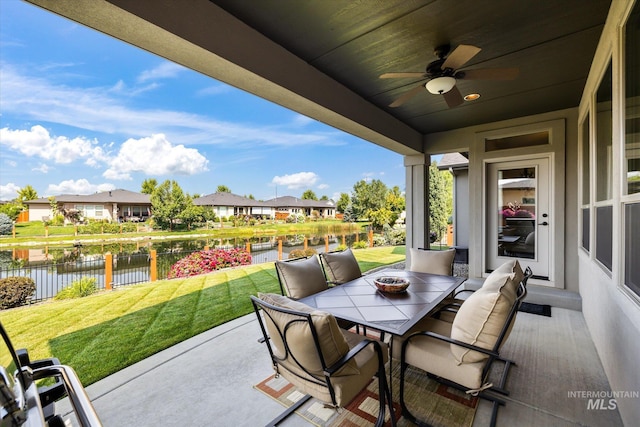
(460, 354)
(430, 261)
(301, 277)
(449, 307)
(309, 350)
(340, 266)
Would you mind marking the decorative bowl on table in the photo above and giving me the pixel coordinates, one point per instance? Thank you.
(391, 284)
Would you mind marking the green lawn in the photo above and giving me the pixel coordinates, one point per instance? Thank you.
(104, 333)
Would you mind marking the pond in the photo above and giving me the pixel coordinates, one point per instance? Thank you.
(55, 267)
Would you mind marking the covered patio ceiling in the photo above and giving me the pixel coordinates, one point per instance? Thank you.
(323, 59)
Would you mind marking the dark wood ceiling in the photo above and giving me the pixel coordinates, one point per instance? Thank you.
(323, 58)
(353, 42)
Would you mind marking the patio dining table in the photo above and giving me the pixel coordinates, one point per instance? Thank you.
(361, 302)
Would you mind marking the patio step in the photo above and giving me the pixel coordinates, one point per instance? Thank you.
(540, 295)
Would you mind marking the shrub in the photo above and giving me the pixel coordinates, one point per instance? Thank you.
(207, 261)
(360, 244)
(6, 224)
(15, 291)
(82, 287)
(299, 253)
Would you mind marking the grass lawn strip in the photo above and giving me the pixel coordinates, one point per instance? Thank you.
(103, 333)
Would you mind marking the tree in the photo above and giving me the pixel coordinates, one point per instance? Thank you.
(395, 203)
(309, 195)
(380, 217)
(11, 209)
(27, 193)
(437, 201)
(368, 197)
(223, 189)
(6, 224)
(148, 185)
(343, 202)
(324, 197)
(168, 201)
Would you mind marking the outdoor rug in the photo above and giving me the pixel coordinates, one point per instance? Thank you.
(439, 405)
(539, 309)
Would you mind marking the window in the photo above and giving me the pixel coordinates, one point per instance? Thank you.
(632, 247)
(519, 141)
(632, 99)
(586, 184)
(604, 171)
(604, 139)
(631, 160)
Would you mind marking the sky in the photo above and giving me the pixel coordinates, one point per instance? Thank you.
(81, 112)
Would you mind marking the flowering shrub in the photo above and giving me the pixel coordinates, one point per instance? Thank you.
(207, 261)
(514, 209)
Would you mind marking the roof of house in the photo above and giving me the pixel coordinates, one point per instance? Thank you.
(290, 201)
(226, 199)
(114, 196)
(454, 161)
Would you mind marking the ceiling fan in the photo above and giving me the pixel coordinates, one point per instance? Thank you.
(443, 73)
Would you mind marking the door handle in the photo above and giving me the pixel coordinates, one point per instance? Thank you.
(543, 223)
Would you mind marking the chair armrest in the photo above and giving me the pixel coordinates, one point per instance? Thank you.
(330, 370)
(449, 340)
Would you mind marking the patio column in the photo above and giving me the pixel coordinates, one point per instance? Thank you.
(417, 201)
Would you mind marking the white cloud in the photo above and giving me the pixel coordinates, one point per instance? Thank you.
(37, 142)
(9, 191)
(323, 186)
(296, 180)
(101, 109)
(80, 186)
(166, 70)
(155, 156)
(42, 168)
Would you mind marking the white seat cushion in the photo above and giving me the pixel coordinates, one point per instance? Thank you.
(482, 316)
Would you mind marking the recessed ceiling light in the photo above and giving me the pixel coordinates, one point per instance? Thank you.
(472, 97)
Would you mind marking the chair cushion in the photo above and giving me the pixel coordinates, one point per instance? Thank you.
(302, 277)
(434, 356)
(300, 340)
(482, 316)
(434, 262)
(341, 267)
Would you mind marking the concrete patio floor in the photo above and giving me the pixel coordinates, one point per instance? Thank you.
(208, 380)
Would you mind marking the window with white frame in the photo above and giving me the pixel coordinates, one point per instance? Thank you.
(604, 171)
(631, 159)
(586, 185)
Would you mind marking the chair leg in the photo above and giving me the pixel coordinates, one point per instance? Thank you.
(405, 411)
(290, 410)
(385, 401)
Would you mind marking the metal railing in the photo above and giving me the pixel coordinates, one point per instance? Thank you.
(51, 277)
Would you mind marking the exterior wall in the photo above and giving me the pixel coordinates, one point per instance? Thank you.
(37, 212)
(461, 208)
(612, 314)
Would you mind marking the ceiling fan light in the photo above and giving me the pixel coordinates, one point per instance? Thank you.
(440, 85)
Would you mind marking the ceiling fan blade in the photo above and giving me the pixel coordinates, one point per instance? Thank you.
(400, 75)
(453, 97)
(490, 74)
(460, 56)
(406, 96)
